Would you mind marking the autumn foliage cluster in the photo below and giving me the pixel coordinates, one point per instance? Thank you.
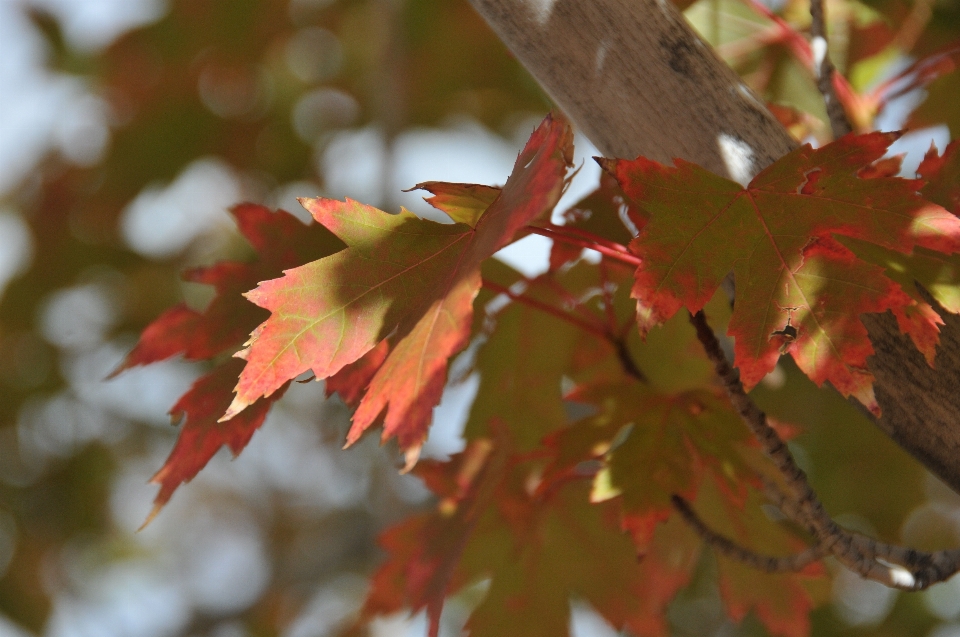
(599, 418)
(377, 305)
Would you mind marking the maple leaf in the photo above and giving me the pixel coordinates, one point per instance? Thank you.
(425, 550)
(798, 289)
(202, 435)
(281, 241)
(689, 445)
(402, 276)
(942, 174)
(490, 524)
(653, 446)
(539, 552)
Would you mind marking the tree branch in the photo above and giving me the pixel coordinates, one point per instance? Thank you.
(824, 70)
(768, 563)
(895, 566)
(637, 80)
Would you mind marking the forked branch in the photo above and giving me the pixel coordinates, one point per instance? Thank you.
(726, 546)
(895, 566)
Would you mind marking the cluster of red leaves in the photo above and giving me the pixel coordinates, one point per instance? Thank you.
(538, 501)
(281, 241)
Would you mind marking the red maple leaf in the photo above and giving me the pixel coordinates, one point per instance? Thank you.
(798, 289)
(652, 446)
(531, 547)
(281, 241)
(402, 277)
(942, 174)
(202, 435)
(425, 550)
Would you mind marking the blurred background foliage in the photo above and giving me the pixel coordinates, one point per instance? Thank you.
(127, 127)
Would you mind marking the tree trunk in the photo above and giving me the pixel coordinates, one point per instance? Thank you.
(637, 80)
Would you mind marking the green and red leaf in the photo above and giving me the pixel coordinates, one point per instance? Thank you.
(779, 237)
(401, 277)
(280, 240)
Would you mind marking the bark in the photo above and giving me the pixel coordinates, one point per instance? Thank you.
(637, 80)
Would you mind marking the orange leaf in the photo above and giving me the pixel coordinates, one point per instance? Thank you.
(402, 276)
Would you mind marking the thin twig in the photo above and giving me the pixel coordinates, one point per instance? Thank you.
(895, 566)
(803, 52)
(617, 342)
(626, 359)
(596, 330)
(824, 70)
(770, 564)
(613, 253)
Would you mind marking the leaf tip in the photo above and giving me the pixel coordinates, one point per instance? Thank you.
(315, 206)
(150, 516)
(866, 396)
(608, 165)
(235, 408)
(411, 456)
(123, 366)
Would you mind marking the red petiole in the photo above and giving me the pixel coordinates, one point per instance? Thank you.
(549, 309)
(592, 242)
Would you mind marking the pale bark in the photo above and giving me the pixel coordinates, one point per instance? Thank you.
(637, 80)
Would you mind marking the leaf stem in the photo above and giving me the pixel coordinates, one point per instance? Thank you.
(549, 309)
(617, 342)
(895, 566)
(606, 248)
(573, 231)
